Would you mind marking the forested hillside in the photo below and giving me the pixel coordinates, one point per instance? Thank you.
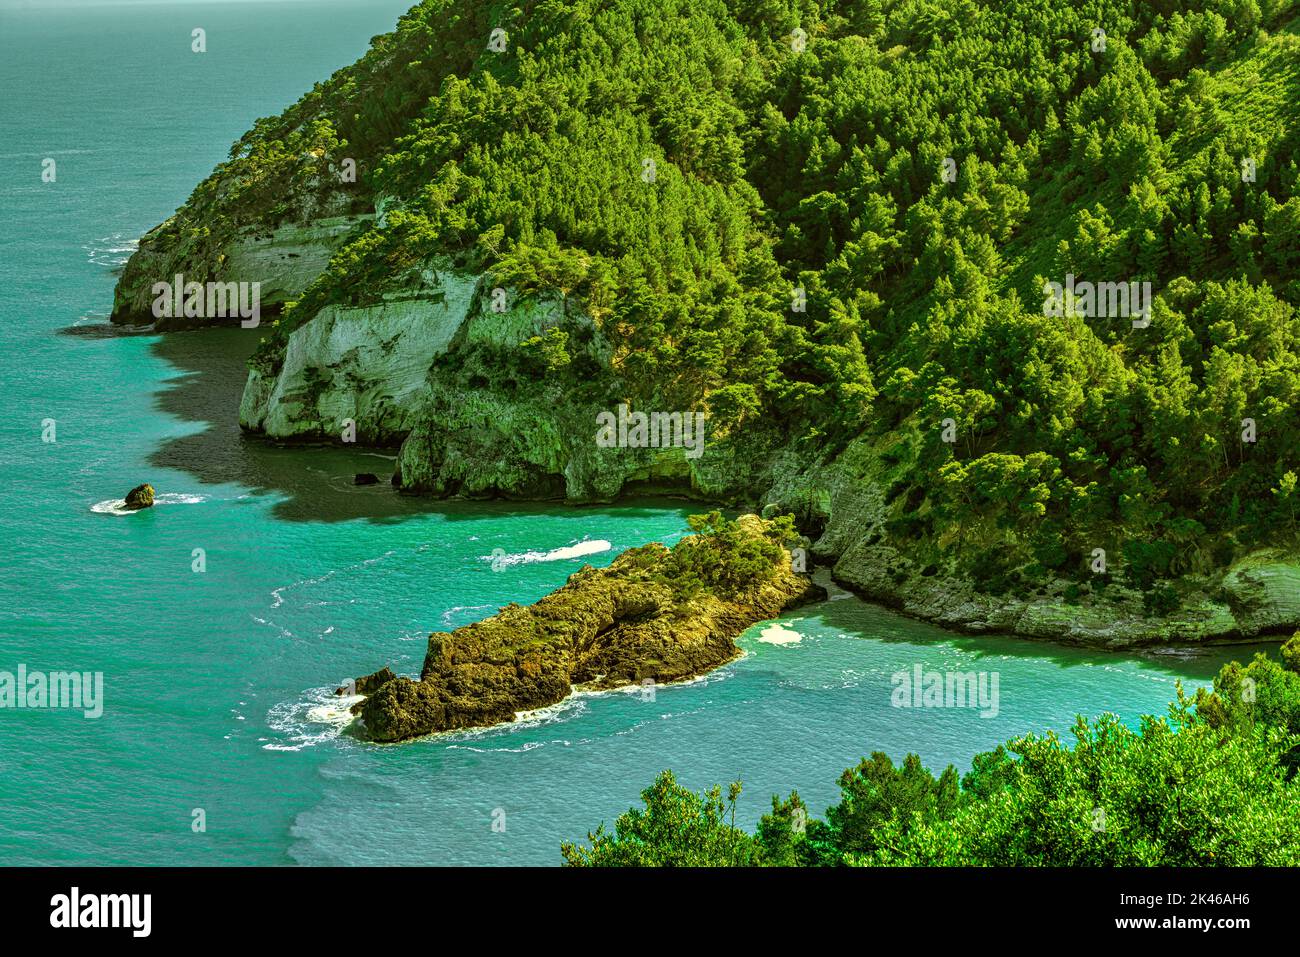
(837, 219)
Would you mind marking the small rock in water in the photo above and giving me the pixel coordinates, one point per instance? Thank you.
(368, 684)
(140, 497)
(366, 478)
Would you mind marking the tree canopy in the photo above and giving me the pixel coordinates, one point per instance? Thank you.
(1213, 783)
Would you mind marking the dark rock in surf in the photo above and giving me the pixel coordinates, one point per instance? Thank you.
(367, 684)
(140, 497)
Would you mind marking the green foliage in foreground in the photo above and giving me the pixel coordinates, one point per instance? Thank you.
(1213, 783)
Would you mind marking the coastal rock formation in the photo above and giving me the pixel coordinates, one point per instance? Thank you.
(637, 620)
(362, 367)
(282, 259)
(140, 497)
(849, 507)
(464, 392)
(367, 684)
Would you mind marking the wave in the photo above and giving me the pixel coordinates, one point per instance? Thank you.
(319, 716)
(575, 550)
(575, 706)
(278, 593)
(562, 711)
(461, 610)
(117, 506)
(44, 153)
(112, 250)
(777, 634)
(284, 632)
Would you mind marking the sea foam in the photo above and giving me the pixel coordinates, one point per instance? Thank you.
(775, 634)
(575, 550)
(319, 716)
(117, 506)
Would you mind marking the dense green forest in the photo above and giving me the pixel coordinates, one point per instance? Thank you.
(839, 217)
(1212, 784)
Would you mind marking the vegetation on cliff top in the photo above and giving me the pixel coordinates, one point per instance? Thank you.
(1212, 784)
(678, 169)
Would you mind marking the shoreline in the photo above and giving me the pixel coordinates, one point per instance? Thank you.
(882, 575)
(523, 718)
(219, 407)
(820, 575)
(823, 573)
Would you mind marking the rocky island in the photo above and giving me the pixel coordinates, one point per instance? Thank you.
(655, 615)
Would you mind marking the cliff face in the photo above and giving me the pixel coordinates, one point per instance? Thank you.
(850, 502)
(480, 436)
(1256, 597)
(367, 364)
(460, 387)
(434, 371)
(282, 259)
(625, 624)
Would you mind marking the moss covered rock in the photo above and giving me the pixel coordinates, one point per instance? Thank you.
(140, 497)
(651, 616)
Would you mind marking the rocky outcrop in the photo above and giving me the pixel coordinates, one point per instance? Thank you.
(367, 684)
(140, 497)
(886, 575)
(1262, 592)
(434, 369)
(629, 623)
(849, 508)
(361, 368)
(283, 260)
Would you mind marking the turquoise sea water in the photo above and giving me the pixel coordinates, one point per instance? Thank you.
(217, 684)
